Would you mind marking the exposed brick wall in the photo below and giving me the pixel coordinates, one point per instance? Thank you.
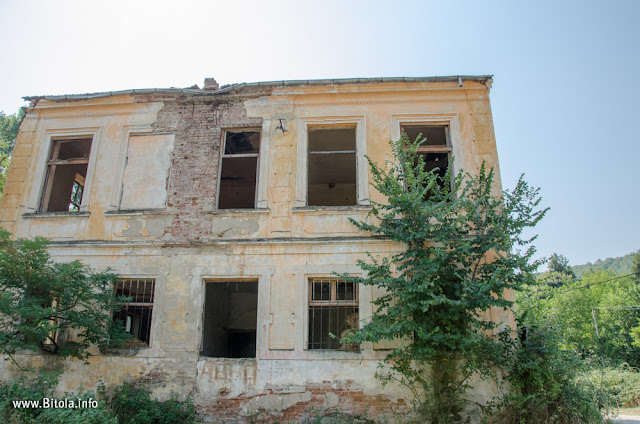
(197, 123)
(351, 401)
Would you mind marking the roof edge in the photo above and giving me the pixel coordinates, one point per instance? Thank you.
(483, 79)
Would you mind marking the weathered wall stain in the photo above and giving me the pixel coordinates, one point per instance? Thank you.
(179, 238)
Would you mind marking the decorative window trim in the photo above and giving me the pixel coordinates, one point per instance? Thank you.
(204, 275)
(451, 120)
(50, 135)
(333, 302)
(365, 308)
(362, 174)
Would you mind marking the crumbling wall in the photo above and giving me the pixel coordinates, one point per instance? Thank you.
(197, 123)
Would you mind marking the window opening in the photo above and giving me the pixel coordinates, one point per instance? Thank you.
(136, 314)
(230, 319)
(333, 309)
(435, 150)
(332, 167)
(239, 170)
(65, 176)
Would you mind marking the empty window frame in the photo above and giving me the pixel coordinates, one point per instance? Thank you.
(230, 319)
(239, 170)
(65, 176)
(136, 314)
(331, 179)
(333, 309)
(435, 150)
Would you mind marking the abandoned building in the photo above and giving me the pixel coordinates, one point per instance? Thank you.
(226, 212)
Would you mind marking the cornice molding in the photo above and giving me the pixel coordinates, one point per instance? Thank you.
(371, 102)
(91, 115)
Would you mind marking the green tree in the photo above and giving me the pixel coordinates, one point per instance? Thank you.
(568, 308)
(8, 132)
(559, 263)
(42, 302)
(463, 249)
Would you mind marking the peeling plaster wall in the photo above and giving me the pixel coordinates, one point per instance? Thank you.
(175, 235)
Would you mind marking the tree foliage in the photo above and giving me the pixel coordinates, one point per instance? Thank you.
(463, 249)
(569, 305)
(61, 308)
(621, 265)
(8, 132)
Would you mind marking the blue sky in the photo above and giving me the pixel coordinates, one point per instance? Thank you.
(565, 93)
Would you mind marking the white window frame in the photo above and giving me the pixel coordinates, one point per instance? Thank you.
(302, 159)
(50, 136)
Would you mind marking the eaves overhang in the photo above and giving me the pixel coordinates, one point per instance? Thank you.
(233, 88)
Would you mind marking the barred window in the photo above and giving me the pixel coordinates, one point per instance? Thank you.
(136, 314)
(333, 309)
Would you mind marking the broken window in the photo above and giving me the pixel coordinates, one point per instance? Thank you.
(66, 174)
(239, 170)
(435, 149)
(136, 314)
(332, 167)
(333, 309)
(230, 319)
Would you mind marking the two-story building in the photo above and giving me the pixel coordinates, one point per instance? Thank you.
(226, 212)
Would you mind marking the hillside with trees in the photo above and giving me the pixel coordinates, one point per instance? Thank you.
(620, 265)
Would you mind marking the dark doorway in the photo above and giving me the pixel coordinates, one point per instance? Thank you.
(230, 319)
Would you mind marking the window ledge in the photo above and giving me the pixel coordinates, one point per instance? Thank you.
(229, 361)
(239, 211)
(55, 214)
(140, 212)
(143, 351)
(332, 208)
(332, 354)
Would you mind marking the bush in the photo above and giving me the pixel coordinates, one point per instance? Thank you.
(26, 388)
(543, 387)
(132, 404)
(622, 383)
(99, 415)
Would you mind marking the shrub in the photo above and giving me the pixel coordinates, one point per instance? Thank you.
(132, 404)
(26, 388)
(622, 383)
(542, 383)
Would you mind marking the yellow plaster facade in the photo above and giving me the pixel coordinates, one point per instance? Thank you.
(168, 143)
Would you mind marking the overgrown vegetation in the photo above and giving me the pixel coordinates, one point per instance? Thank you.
(8, 132)
(605, 358)
(542, 385)
(463, 250)
(130, 403)
(60, 308)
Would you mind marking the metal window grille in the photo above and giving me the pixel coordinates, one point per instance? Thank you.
(333, 309)
(136, 314)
